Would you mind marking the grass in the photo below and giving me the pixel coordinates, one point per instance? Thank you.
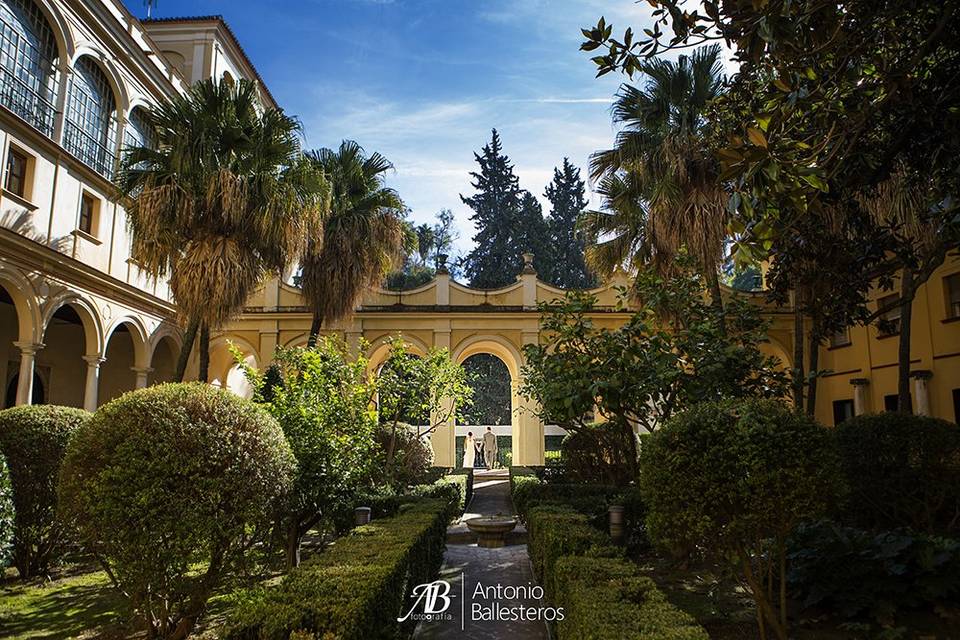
(78, 603)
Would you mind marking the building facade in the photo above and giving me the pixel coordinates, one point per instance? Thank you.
(79, 323)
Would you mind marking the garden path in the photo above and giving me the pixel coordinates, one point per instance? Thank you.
(465, 565)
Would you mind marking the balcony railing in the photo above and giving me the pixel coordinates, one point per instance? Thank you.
(24, 101)
(89, 150)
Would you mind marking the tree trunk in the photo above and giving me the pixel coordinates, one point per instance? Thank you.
(798, 345)
(813, 378)
(391, 449)
(716, 298)
(314, 329)
(204, 374)
(294, 538)
(188, 338)
(907, 293)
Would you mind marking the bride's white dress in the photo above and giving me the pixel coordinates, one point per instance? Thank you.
(469, 452)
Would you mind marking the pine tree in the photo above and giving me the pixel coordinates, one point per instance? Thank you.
(566, 194)
(494, 260)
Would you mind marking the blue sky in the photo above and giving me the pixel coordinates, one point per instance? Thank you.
(424, 81)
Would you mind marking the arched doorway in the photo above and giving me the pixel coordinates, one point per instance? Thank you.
(163, 365)
(492, 407)
(118, 373)
(67, 345)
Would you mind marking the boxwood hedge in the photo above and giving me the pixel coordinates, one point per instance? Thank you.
(34, 440)
(356, 589)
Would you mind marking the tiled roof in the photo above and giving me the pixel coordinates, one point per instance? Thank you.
(233, 36)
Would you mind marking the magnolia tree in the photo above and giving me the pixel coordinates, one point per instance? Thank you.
(673, 351)
(323, 399)
(422, 392)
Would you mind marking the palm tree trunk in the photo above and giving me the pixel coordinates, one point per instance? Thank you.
(907, 293)
(204, 374)
(798, 345)
(716, 297)
(188, 338)
(814, 363)
(315, 329)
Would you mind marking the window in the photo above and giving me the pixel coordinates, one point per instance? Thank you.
(89, 208)
(889, 324)
(139, 131)
(956, 406)
(28, 64)
(16, 181)
(840, 338)
(890, 403)
(90, 128)
(842, 411)
(951, 290)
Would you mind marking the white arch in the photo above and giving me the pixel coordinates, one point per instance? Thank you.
(121, 96)
(25, 302)
(164, 330)
(141, 349)
(89, 316)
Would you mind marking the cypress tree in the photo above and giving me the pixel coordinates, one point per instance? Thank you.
(566, 194)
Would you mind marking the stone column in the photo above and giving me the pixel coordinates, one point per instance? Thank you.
(28, 352)
(860, 398)
(443, 283)
(143, 374)
(529, 279)
(93, 382)
(921, 391)
(528, 438)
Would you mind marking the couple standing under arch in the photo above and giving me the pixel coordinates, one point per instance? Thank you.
(480, 452)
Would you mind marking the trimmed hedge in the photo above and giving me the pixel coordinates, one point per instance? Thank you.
(607, 598)
(902, 471)
(356, 589)
(7, 515)
(601, 592)
(34, 440)
(555, 531)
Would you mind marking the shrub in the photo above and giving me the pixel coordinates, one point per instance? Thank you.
(732, 480)
(589, 499)
(863, 574)
(33, 439)
(594, 453)
(7, 515)
(412, 455)
(903, 471)
(356, 589)
(164, 484)
(607, 598)
(556, 531)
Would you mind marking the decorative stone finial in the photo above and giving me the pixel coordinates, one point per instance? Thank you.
(528, 264)
(442, 264)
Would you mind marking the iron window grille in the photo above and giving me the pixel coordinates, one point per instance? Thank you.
(29, 77)
(90, 129)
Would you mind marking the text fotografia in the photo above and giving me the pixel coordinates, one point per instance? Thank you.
(509, 603)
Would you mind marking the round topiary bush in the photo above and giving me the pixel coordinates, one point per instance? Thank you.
(33, 439)
(903, 471)
(163, 484)
(7, 515)
(732, 480)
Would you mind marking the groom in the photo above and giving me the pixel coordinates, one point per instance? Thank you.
(489, 448)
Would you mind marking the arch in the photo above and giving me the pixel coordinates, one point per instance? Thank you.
(24, 299)
(32, 63)
(379, 349)
(141, 344)
(163, 360)
(137, 130)
(164, 331)
(223, 366)
(105, 62)
(494, 345)
(89, 316)
(62, 31)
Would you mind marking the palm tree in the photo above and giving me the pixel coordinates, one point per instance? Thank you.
(224, 197)
(363, 237)
(669, 195)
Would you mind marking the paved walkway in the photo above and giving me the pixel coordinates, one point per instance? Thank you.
(466, 566)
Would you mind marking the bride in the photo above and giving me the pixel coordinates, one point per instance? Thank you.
(469, 450)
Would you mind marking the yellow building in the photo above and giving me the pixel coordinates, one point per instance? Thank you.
(79, 324)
